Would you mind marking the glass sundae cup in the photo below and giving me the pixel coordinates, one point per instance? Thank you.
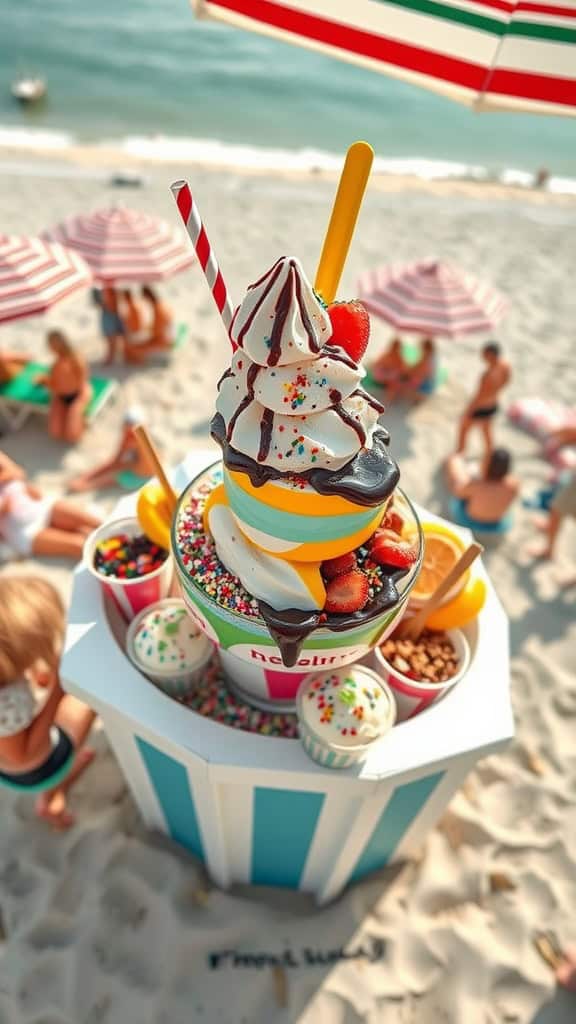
(229, 615)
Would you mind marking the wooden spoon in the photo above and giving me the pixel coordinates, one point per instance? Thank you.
(413, 626)
(147, 448)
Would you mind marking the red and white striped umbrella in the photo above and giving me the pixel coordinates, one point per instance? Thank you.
(35, 275)
(431, 298)
(123, 245)
(488, 54)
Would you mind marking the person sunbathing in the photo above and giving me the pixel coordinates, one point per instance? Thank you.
(485, 500)
(418, 380)
(562, 502)
(41, 747)
(69, 387)
(11, 363)
(161, 334)
(390, 367)
(32, 524)
(111, 323)
(128, 468)
(484, 405)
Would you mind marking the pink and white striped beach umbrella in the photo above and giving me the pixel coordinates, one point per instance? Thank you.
(35, 275)
(123, 245)
(431, 298)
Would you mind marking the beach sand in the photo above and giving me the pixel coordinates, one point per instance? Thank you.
(111, 925)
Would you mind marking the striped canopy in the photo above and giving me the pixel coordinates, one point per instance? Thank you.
(431, 298)
(488, 54)
(35, 275)
(123, 245)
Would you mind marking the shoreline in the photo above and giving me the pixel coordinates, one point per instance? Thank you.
(108, 160)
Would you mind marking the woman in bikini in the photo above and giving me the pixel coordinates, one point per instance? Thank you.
(33, 524)
(41, 744)
(70, 390)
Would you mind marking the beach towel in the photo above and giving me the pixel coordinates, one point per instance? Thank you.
(540, 417)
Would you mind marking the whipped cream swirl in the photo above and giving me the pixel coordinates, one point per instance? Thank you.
(281, 409)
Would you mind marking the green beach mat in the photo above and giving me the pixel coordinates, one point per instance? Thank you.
(23, 390)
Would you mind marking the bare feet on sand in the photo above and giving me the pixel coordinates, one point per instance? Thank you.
(51, 806)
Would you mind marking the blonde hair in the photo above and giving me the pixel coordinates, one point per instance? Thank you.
(31, 625)
(66, 349)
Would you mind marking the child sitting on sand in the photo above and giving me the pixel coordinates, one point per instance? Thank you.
(31, 524)
(482, 502)
(69, 387)
(128, 468)
(40, 749)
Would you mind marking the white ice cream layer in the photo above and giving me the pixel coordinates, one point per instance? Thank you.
(265, 577)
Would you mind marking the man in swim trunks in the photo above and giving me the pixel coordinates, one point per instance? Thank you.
(481, 410)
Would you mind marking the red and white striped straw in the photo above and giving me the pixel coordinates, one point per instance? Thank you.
(197, 232)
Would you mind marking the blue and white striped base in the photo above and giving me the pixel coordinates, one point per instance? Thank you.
(314, 838)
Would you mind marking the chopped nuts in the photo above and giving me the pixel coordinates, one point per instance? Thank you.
(430, 658)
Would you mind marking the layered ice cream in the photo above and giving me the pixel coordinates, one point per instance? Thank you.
(307, 476)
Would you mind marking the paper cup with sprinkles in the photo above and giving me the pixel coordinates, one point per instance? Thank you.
(165, 644)
(129, 567)
(341, 715)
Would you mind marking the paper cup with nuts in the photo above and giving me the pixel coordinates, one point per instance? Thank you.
(421, 671)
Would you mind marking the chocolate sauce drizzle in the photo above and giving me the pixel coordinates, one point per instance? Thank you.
(368, 479)
(289, 628)
(291, 290)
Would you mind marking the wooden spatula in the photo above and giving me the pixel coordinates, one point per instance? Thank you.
(413, 626)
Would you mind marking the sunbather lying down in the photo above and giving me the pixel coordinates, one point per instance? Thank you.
(10, 365)
(33, 524)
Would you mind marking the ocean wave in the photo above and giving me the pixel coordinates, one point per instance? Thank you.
(229, 155)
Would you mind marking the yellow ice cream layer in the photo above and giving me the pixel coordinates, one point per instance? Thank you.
(308, 571)
(301, 502)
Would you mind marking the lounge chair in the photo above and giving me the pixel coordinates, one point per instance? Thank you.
(22, 396)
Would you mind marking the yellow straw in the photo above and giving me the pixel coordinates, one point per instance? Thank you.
(343, 220)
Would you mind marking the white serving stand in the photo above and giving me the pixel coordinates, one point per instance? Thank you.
(256, 809)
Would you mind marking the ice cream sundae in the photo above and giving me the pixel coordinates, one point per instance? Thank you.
(302, 519)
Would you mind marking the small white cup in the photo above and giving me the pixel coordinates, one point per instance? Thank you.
(172, 682)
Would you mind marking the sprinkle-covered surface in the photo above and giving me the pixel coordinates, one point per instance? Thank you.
(211, 698)
(348, 707)
(201, 562)
(125, 557)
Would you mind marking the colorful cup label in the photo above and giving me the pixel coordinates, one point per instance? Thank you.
(312, 659)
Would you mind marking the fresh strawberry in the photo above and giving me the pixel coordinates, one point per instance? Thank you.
(388, 549)
(347, 593)
(333, 567)
(393, 521)
(350, 328)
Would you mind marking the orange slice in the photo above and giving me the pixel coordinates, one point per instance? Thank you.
(462, 609)
(442, 549)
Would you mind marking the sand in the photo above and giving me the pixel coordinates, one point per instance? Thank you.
(109, 924)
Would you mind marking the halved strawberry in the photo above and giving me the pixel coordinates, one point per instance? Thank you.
(350, 327)
(333, 567)
(347, 593)
(393, 521)
(388, 549)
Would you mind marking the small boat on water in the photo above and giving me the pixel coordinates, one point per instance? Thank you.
(28, 89)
